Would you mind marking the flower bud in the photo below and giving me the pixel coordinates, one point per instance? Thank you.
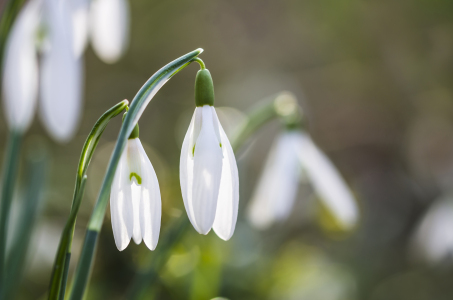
(204, 88)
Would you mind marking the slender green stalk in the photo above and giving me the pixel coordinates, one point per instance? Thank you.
(60, 268)
(30, 208)
(10, 166)
(139, 103)
(283, 106)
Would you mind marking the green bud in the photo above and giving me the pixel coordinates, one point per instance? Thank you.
(204, 88)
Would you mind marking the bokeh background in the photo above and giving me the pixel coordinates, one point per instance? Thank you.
(374, 80)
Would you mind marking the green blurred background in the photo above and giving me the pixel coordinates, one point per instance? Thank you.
(374, 80)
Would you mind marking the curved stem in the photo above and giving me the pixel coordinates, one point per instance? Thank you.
(138, 105)
(59, 273)
(283, 106)
(200, 62)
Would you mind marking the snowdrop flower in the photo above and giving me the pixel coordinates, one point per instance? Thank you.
(208, 170)
(433, 239)
(293, 155)
(59, 75)
(135, 203)
(20, 68)
(109, 28)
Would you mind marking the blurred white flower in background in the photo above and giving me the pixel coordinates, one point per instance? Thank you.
(20, 68)
(293, 157)
(433, 239)
(43, 26)
(58, 30)
(109, 26)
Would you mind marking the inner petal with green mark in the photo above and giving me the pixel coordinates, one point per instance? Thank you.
(137, 177)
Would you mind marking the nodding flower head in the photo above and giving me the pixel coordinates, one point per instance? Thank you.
(293, 156)
(135, 202)
(208, 170)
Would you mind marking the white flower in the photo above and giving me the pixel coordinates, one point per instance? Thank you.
(20, 69)
(109, 28)
(277, 188)
(209, 175)
(433, 240)
(294, 154)
(135, 203)
(59, 74)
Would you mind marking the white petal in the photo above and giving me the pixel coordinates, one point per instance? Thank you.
(79, 17)
(207, 173)
(135, 166)
(186, 168)
(197, 117)
(121, 209)
(20, 70)
(61, 76)
(150, 203)
(277, 187)
(109, 28)
(434, 237)
(327, 182)
(228, 201)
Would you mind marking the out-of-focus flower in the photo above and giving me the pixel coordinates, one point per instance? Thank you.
(209, 175)
(80, 22)
(45, 24)
(61, 74)
(433, 239)
(135, 201)
(109, 26)
(293, 155)
(20, 68)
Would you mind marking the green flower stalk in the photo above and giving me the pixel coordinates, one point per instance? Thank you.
(60, 268)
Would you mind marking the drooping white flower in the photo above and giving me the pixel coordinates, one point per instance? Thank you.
(45, 25)
(433, 239)
(61, 74)
(20, 68)
(327, 182)
(209, 175)
(109, 25)
(295, 154)
(274, 196)
(135, 202)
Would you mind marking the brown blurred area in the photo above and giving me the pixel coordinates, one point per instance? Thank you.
(374, 80)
